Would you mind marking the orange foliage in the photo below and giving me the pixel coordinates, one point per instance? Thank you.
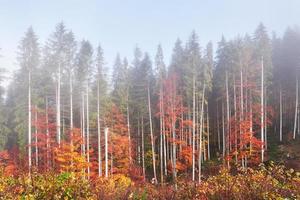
(7, 164)
(118, 140)
(68, 157)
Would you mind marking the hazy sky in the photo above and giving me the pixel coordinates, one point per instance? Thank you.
(121, 24)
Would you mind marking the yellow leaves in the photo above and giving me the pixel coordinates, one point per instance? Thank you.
(113, 187)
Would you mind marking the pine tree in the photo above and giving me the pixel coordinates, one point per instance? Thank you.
(28, 57)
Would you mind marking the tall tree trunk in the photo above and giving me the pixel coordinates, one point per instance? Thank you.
(128, 130)
(194, 128)
(218, 127)
(174, 143)
(235, 119)
(88, 130)
(36, 139)
(47, 136)
(208, 133)
(106, 151)
(58, 125)
(164, 141)
(139, 141)
(242, 98)
(83, 125)
(99, 130)
(228, 117)
(63, 118)
(262, 110)
(29, 122)
(265, 118)
(71, 109)
(280, 114)
(296, 110)
(223, 131)
(200, 136)
(161, 135)
(152, 138)
(251, 121)
(143, 150)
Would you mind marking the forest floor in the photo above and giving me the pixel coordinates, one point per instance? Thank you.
(286, 152)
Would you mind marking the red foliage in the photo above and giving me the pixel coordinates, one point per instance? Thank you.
(7, 164)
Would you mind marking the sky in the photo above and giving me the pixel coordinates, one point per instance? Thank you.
(120, 25)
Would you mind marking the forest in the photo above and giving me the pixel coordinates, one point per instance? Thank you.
(215, 123)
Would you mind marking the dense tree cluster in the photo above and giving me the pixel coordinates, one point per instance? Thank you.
(156, 121)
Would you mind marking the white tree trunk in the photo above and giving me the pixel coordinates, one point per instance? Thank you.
(143, 150)
(296, 110)
(71, 109)
(47, 135)
(164, 141)
(128, 130)
(88, 130)
(99, 131)
(218, 127)
(161, 135)
(83, 125)
(174, 145)
(242, 98)
(208, 133)
(262, 110)
(200, 136)
(193, 129)
(106, 151)
(265, 120)
(152, 138)
(228, 117)
(223, 131)
(235, 117)
(58, 125)
(36, 139)
(139, 141)
(280, 114)
(29, 122)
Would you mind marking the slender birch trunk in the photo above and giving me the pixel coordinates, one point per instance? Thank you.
(47, 136)
(193, 129)
(235, 119)
(143, 150)
(29, 123)
(164, 142)
(58, 125)
(152, 138)
(251, 122)
(99, 130)
(71, 109)
(223, 131)
(200, 136)
(161, 135)
(280, 114)
(218, 127)
(242, 98)
(174, 143)
(106, 151)
(296, 110)
(83, 125)
(128, 130)
(265, 118)
(87, 130)
(36, 139)
(228, 116)
(262, 110)
(208, 133)
(139, 141)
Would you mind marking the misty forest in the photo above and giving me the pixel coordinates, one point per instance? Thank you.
(218, 122)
